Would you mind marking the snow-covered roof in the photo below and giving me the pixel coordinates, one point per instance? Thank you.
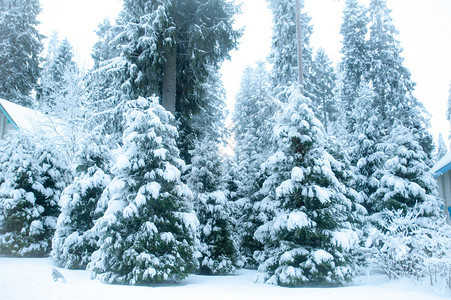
(442, 166)
(30, 120)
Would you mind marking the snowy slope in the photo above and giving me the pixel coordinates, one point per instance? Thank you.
(24, 278)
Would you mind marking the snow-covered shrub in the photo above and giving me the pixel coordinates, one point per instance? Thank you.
(439, 273)
(147, 232)
(74, 240)
(31, 181)
(218, 247)
(307, 235)
(412, 246)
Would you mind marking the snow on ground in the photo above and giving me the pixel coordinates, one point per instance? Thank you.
(30, 278)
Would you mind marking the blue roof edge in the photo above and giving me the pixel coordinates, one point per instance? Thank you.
(442, 170)
(3, 110)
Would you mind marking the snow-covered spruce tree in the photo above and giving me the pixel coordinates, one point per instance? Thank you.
(253, 117)
(391, 80)
(406, 180)
(367, 147)
(102, 50)
(284, 48)
(218, 243)
(253, 113)
(355, 62)
(385, 96)
(171, 48)
(406, 207)
(306, 232)
(53, 78)
(441, 148)
(147, 232)
(74, 240)
(104, 90)
(322, 94)
(31, 181)
(231, 182)
(19, 50)
(210, 121)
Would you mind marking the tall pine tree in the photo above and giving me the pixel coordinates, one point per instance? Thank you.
(355, 62)
(252, 132)
(323, 94)
(284, 48)
(391, 80)
(171, 48)
(20, 48)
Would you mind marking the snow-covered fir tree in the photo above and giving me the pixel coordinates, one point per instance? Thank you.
(54, 75)
(103, 50)
(253, 123)
(148, 231)
(367, 152)
(210, 121)
(63, 59)
(383, 98)
(306, 232)
(355, 62)
(106, 94)
(406, 179)
(391, 80)
(218, 243)
(31, 181)
(322, 94)
(253, 114)
(74, 240)
(442, 149)
(231, 181)
(20, 48)
(407, 208)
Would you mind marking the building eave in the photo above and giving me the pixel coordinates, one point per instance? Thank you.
(442, 170)
(8, 117)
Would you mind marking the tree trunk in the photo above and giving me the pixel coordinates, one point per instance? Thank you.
(170, 82)
(299, 41)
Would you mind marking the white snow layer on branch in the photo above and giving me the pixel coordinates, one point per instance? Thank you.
(346, 239)
(320, 256)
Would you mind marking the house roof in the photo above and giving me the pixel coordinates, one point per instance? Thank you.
(33, 121)
(442, 166)
(5, 112)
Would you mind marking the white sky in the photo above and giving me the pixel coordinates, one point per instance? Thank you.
(424, 26)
